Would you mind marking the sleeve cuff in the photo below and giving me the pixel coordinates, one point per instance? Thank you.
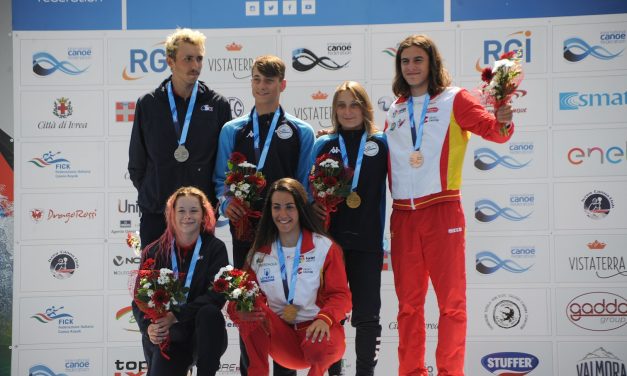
(326, 318)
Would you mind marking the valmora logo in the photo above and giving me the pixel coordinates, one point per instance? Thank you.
(601, 362)
(598, 311)
(509, 363)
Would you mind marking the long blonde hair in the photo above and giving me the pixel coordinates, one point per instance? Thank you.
(361, 97)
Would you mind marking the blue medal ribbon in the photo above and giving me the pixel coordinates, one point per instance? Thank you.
(289, 293)
(188, 115)
(261, 159)
(192, 264)
(360, 157)
(417, 138)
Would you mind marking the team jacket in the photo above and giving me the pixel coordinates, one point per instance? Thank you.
(451, 117)
(212, 257)
(360, 228)
(321, 286)
(152, 167)
(289, 154)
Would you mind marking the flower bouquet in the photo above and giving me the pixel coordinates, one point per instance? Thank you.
(500, 82)
(330, 183)
(244, 184)
(133, 241)
(158, 292)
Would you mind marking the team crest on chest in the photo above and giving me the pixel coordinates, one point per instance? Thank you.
(371, 149)
(284, 132)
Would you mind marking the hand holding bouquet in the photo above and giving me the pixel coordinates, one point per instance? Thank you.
(236, 286)
(244, 184)
(330, 183)
(500, 82)
(158, 292)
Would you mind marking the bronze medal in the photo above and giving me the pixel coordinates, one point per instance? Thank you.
(289, 313)
(181, 154)
(353, 200)
(416, 159)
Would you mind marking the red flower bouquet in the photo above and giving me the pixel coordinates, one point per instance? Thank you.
(133, 241)
(330, 183)
(158, 292)
(237, 287)
(500, 82)
(244, 184)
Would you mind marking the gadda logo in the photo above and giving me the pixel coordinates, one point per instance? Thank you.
(509, 363)
(597, 311)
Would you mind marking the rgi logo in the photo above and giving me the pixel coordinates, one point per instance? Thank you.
(237, 107)
(519, 41)
(143, 62)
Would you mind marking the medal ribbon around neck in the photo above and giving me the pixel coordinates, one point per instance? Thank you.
(192, 264)
(261, 159)
(188, 115)
(360, 157)
(289, 293)
(417, 138)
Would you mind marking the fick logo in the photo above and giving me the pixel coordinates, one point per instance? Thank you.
(142, 62)
(492, 49)
(51, 314)
(49, 159)
(126, 315)
(509, 363)
(597, 311)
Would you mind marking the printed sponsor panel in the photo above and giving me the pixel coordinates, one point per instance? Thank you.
(524, 156)
(137, 61)
(590, 258)
(120, 110)
(592, 311)
(482, 47)
(511, 312)
(509, 358)
(506, 207)
(310, 104)
(124, 214)
(529, 101)
(389, 312)
(592, 358)
(121, 261)
(388, 358)
(241, 100)
(384, 47)
(61, 61)
(126, 361)
(118, 165)
(589, 100)
(121, 324)
(60, 319)
(589, 47)
(61, 113)
(590, 152)
(62, 165)
(382, 98)
(61, 267)
(60, 361)
(229, 59)
(334, 57)
(520, 259)
(590, 205)
(62, 216)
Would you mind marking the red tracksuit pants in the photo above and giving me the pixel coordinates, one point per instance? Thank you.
(429, 243)
(287, 346)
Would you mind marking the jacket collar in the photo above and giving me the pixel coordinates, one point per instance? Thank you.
(306, 246)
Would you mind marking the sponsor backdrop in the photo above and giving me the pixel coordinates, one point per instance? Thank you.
(546, 212)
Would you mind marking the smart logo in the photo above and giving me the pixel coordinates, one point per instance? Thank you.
(493, 49)
(577, 49)
(304, 59)
(488, 211)
(42, 370)
(509, 363)
(487, 262)
(486, 159)
(45, 64)
(142, 62)
(573, 100)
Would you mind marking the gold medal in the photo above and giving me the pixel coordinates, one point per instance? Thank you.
(181, 153)
(416, 159)
(353, 200)
(289, 313)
